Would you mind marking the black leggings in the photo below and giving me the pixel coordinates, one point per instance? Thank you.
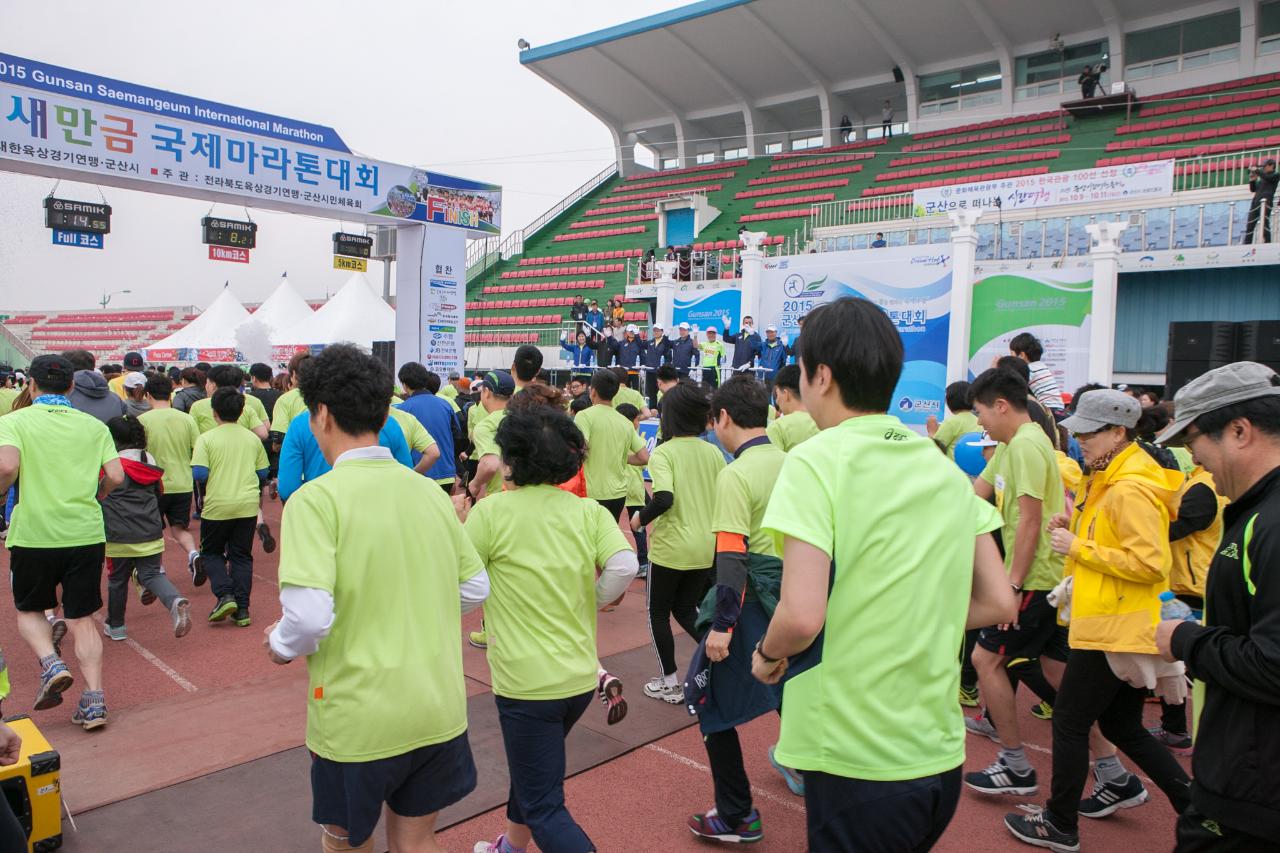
(674, 592)
(1090, 693)
(614, 506)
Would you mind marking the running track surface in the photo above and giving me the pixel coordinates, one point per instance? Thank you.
(181, 709)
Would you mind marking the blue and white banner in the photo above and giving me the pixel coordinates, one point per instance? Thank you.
(55, 119)
(1130, 182)
(706, 309)
(911, 284)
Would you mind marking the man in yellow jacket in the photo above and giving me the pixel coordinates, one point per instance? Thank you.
(1117, 552)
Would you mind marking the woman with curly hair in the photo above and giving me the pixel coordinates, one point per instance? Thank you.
(542, 546)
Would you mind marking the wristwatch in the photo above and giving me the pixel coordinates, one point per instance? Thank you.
(760, 651)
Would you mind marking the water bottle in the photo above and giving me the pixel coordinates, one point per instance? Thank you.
(1172, 608)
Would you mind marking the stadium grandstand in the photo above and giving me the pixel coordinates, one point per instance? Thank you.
(778, 121)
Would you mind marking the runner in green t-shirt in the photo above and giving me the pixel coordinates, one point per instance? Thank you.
(232, 463)
(636, 494)
(628, 395)
(960, 421)
(56, 538)
(542, 547)
(682, 544)
(881, 535)
(373, 567)
(796, 424)
(417, 437)
(496, 388)
(1024, 480)
(171, 439)
(289, 404)
(747, 573)
(612, 445)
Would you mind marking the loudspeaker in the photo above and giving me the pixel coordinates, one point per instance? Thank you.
(897, 75)
(385, 352)
(1260, 341)
(1203, 341)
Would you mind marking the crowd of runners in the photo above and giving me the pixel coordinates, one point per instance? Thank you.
(1102, 549)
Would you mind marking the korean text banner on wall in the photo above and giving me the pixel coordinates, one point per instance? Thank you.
(1083, 186)
(912, 285)
(1054, 305)
(72, 120)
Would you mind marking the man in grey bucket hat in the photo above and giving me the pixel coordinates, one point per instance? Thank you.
(1230, 420)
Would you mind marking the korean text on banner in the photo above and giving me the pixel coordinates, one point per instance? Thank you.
(58, 118)
(1082, 186)
(912, 285)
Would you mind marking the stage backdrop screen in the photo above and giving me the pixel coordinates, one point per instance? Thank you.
(1054, 305)
(911, 284)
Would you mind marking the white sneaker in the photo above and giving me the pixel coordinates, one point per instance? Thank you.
(672, 694)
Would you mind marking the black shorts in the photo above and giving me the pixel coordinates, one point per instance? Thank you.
(421, 782)
(175, 509)
(1038, 633)
(38, 572)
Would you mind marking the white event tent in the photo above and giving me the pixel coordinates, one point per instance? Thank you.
(284, 309)
(355, 314)
(213, 329)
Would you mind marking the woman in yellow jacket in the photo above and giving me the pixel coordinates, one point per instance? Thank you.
(1117, 552)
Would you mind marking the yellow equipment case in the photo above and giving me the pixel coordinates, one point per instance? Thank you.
(32, 788)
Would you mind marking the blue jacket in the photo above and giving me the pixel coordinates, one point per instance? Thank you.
(629, 353)
(657, 352)
(773, 355)
(583, 356)
(596, 319)
(746, 348)
(683, 353)
(437, 416)
(302, 461)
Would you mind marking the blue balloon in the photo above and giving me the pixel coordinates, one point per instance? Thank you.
(969, 455)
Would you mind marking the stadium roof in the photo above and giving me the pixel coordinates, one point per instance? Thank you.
(744, 69)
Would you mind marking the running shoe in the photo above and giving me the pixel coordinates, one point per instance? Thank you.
(115, 632)
(714, 828)
(980, 725)
(181, 613)
(1110, 797)
(241, 617)
(93, 716)
(53, 681)
(59, 629)
(490, 846)
(969, 696)
(273, 489)
(1000, 778)
(479, 639)
(268, 541)
(145, 595)
(1038, 831)
(195, 563)
(1179, 743)
(224, 608)
(643, 572)
(1043, 711)
(672, 694)
(793, 778)
(610, 689)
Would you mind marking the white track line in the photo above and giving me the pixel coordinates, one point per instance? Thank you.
(156, 662)
(755, 791)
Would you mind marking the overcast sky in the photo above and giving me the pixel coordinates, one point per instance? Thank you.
(421, 82)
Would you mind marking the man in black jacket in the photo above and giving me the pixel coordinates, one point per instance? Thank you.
(1230, 419)
(1263, 186)
(746, 344)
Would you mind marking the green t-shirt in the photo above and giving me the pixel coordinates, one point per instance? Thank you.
(415, 434)
(486, 444)
(253, 415)
(1028, 465)
(127, 550)
(7, 396)
(742, 495)
(954, 426)
(682, 536)
(632, 396)
(386, 544)
(542, 546)
(636, 495)
(1185, 463)
(234, 456)
(875, 698)
(711, 353)
(288, 406)
(789, 431)
(61, 452)
(171, 439)
(611, 438)
(475, 415)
